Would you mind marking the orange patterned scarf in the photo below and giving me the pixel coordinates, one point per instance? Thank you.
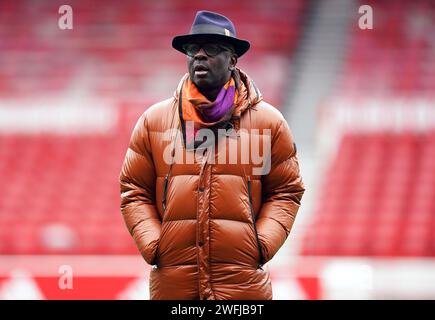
(197, 108)
(203, 112)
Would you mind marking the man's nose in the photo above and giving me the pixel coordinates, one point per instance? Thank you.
(200, 54)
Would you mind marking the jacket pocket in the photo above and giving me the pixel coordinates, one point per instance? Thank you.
(156, 262)
(164, 195)
(260, 254)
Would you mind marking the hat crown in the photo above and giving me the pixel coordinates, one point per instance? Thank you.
(213, 20)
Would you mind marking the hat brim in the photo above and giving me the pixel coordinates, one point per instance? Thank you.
(240, 46)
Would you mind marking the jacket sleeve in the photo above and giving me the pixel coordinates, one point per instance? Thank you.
(137, 181)
(282, 193)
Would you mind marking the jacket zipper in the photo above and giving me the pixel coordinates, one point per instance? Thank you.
(165, 184)
(260, 264)
(165, 191)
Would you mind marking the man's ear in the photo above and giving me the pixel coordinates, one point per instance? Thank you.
(233, 62)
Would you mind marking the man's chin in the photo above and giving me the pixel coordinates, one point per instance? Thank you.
(202, 83)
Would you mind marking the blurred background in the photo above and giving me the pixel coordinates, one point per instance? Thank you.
(360, 102)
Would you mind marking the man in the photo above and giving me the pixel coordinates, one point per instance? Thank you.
(196, 205)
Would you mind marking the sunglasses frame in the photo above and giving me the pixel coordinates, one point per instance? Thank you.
(202, 46)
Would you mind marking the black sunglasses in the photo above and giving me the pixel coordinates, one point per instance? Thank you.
(210, 49)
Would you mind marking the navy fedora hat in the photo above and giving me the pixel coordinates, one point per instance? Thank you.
(212, 25)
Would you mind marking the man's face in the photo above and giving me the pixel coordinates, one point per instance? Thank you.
(209, 63)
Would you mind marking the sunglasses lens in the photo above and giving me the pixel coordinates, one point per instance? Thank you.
(211, 49)
(191, 49)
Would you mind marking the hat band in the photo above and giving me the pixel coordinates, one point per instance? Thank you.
(207, 28)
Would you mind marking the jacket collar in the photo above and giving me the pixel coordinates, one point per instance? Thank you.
(249, 94)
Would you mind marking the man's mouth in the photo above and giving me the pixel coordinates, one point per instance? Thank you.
(200, 70)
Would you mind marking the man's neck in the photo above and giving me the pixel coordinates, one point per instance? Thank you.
(210, 94)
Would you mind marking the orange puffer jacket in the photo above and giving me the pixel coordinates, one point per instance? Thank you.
(207, 227)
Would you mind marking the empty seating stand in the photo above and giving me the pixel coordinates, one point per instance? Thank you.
(377, 198)
(396, 57)
(61, 195)
(123, 50)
